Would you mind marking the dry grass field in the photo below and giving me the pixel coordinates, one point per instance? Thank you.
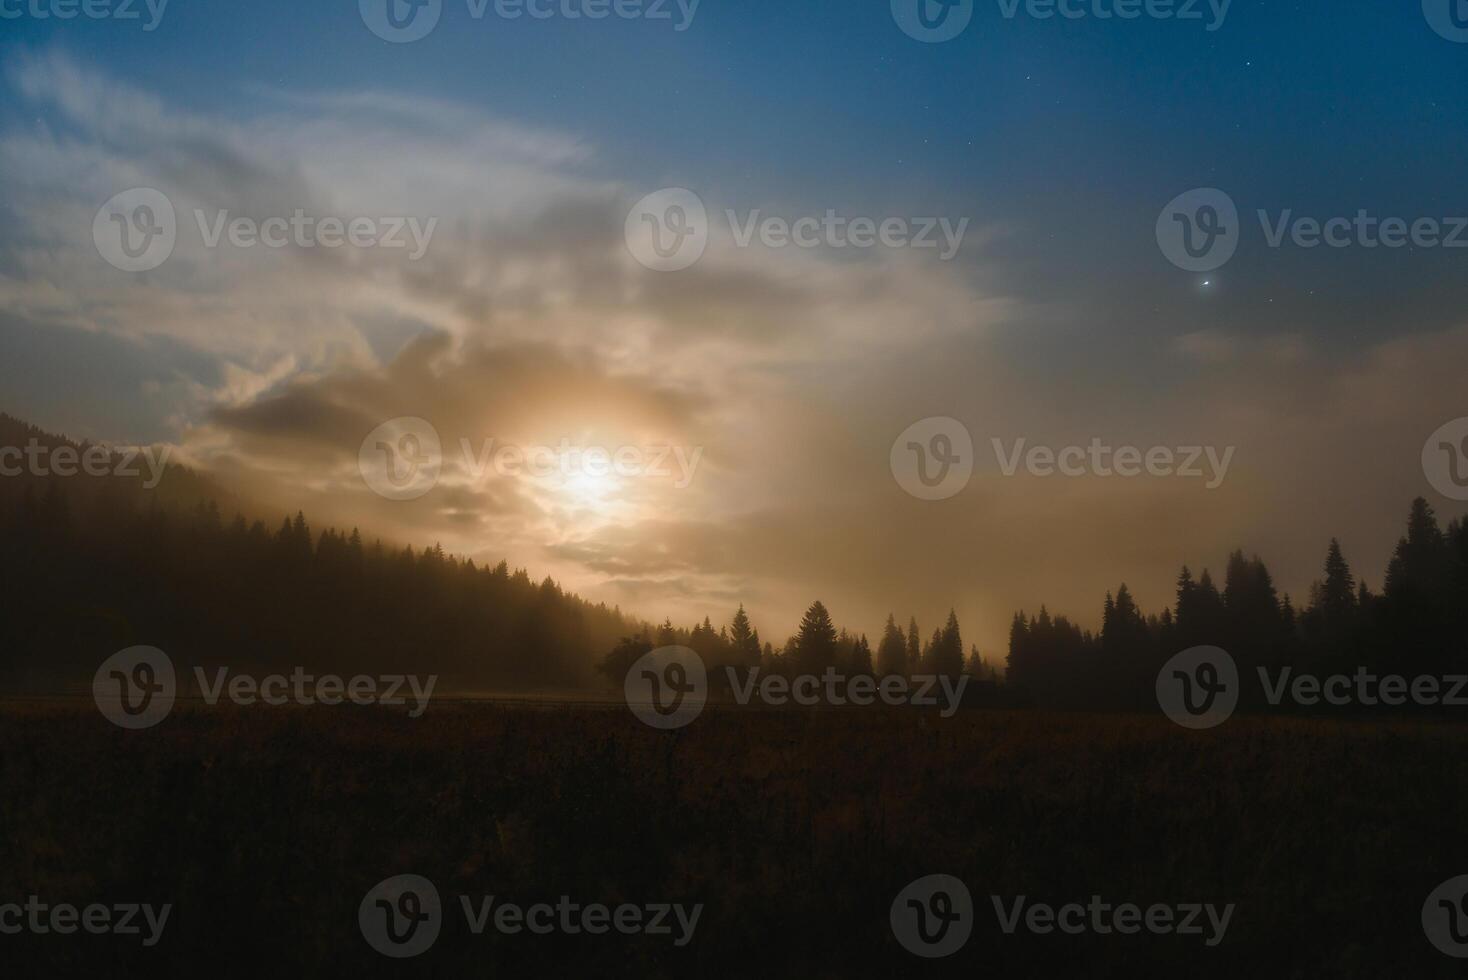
(795, 829)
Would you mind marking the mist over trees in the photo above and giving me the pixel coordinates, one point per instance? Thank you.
(233, 593)
(816, 647)
(1416, 626)
(95, 564)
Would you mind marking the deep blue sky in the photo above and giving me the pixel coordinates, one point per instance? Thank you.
(1073, 134)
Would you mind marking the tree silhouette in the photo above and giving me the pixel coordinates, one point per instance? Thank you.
(892, 650)
(744, 640)
(815, 643)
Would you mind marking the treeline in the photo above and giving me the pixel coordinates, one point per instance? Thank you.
(95, 564)
(1417, 625)
(83, 580)
(816, 647)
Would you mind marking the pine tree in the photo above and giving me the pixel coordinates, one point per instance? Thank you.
(815, 644)
(1338, 593)
(914, 648)
(891, 651)
(1420, 556)
(743, 640)
(947, 655)
(1019, 664)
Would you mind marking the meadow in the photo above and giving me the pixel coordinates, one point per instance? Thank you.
(794, 828)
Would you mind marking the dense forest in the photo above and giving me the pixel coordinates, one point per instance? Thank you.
(95, 564)
(102, 563)
(1416, 626)
(816, 647)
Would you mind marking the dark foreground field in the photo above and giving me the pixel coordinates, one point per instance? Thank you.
(266, 828)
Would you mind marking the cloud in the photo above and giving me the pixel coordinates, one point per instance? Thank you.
(790, 371)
